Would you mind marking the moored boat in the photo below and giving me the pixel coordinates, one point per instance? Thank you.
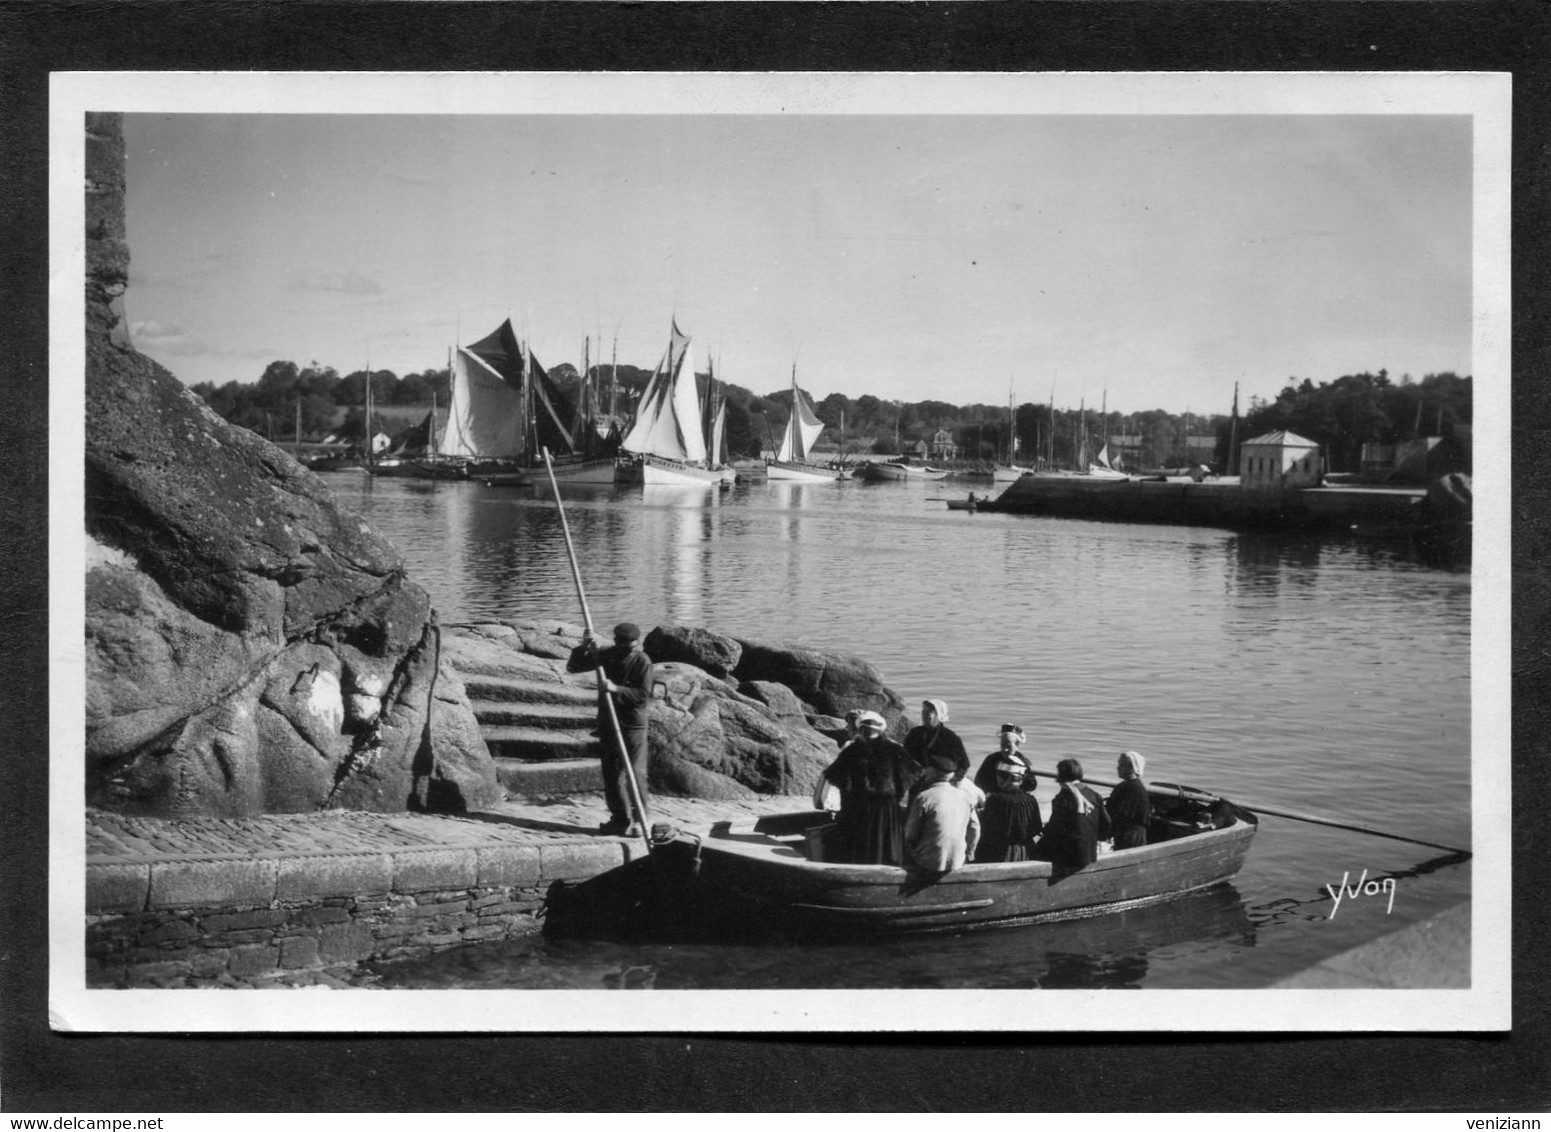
(774, 867)
(667, 443)
(888, 471)
(802, 431)
(505, 410)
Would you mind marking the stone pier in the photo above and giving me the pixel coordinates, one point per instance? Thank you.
(303, 899)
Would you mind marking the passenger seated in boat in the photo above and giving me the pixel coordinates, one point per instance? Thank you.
(873, 776)
(1010, 820)
(1011, 744)
(1078, 821)
(934, 738)
(1128, 805)
(942, 828)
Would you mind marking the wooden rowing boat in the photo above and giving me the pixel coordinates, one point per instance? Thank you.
(773, 868)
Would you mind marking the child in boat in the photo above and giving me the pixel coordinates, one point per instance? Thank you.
(942, 828)
(873, 776)
(1010, 820)
(1127, 803)
(1078, 821)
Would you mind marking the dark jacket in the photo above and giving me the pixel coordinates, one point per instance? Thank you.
(629, 668)
(1072, 839)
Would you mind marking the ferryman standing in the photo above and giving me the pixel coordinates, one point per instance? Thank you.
(627, 681)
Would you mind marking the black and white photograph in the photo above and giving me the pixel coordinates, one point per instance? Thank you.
(855, 552)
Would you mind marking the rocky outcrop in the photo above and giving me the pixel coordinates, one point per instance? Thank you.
(827, 683)
(251, 648)
(702, 648)
(711, 734)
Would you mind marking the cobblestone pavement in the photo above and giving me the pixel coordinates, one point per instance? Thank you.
(533, 820)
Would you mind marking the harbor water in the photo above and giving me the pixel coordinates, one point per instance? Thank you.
(1326, 676)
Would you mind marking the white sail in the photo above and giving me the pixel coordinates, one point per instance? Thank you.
(802, 428)
(667, 420)
(485, 417)
(686, 411)
(719, 436)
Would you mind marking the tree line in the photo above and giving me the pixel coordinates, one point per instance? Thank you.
(1341, 415)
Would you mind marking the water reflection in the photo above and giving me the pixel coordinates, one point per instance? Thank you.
(1116, 950)
(1303, 674)
(1262, 562)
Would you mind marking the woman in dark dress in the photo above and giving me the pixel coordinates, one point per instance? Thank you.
(1129, 809)
(873, 776)
(1011, 741)
(1078, 821)
(933, 738)
(1009, 820)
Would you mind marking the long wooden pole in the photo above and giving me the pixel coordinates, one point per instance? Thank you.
(636, 802)
(1197, 796)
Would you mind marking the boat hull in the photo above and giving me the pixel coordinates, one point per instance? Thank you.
(582, 471)
(801, 473)
(889, 473)
(759, 869)
(654, 471)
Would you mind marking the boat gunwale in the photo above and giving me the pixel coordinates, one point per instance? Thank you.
(788, 858)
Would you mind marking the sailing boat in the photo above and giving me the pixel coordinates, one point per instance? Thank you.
(666, 445)
(1101, 468)
(715, 416)
(802, 429)
(375, 465)
(590, 455)
(1010, 471)
(504, 409)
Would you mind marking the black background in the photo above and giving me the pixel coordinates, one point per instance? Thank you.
(1095, 1071)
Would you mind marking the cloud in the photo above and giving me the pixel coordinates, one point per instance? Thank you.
(165, 340)
(348, 283)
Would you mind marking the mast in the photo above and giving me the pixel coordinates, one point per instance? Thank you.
(527, 402)
(613, 376)
(588, 398)
(1050, 439)
(369, 446)
(793, 435)
(1233, 434)
(708, 411)
(1080, 460)
(1012, 430)
(1104, 426)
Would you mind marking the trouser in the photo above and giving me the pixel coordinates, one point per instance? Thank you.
(616, 784)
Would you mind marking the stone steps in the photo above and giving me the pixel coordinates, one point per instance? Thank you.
(557, 776)
(538, 724)
(538, 744)
(487, 688)
(543, 716)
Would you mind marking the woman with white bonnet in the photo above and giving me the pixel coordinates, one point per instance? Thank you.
(1010, 819)
(873, 776)
(1011, 743)
(934, 738)
(1127, 803)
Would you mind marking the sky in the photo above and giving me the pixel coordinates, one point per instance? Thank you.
(1139, 260)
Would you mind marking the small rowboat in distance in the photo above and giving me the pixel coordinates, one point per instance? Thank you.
(773, 869)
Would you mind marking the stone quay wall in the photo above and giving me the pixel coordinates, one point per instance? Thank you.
(308, 917)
